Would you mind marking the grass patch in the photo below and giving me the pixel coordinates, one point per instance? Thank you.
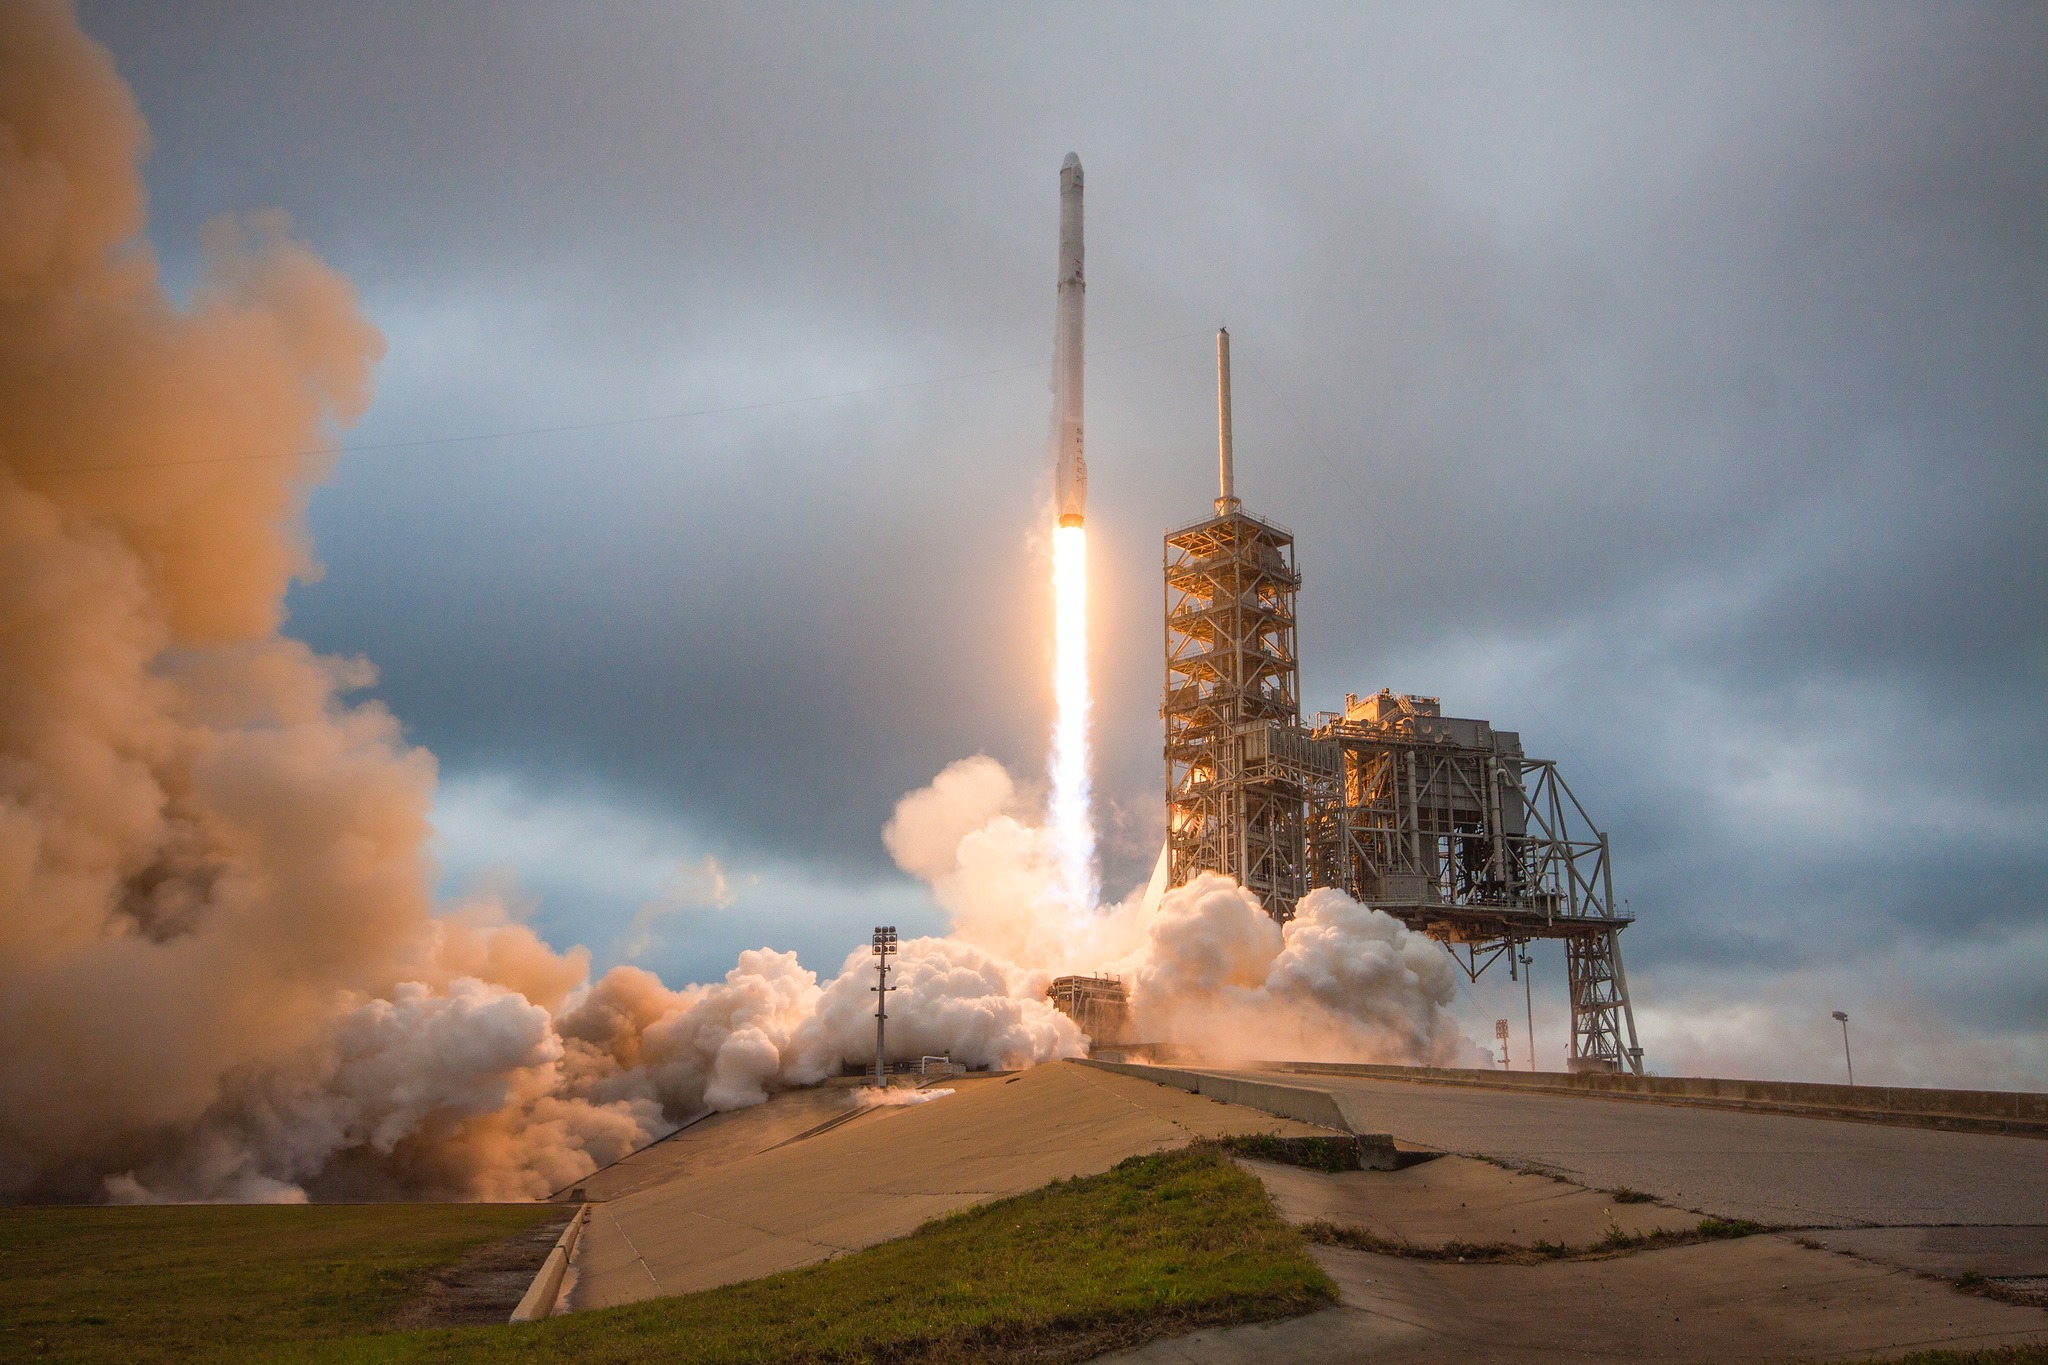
(1707, 1230)
(1326, 1154)
(1159, 1245)
(196, 1282)
(1517, 1253)
(1364, 1239)
(1711, 1228)
(1625, 1195)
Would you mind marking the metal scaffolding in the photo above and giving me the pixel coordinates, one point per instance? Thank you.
(1441, 822)
(1099, 1004)
(1445, 824)
(1239, 768)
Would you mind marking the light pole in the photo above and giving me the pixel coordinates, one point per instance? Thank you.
(1843, 1019)
(885, 945)
(1500, 1031)
(1529, 1002)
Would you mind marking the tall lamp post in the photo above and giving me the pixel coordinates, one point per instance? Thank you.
(1843, 1019)
(1529, 1002)
(885, 947)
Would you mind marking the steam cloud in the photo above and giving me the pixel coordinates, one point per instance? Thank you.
(222, 972)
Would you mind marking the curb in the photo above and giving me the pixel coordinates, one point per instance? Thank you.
(539, 1300)
(2011, 1113)
(1298, 1102)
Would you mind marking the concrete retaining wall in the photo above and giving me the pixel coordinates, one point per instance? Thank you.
(1997, 1111)
(1300, 1102)
(539, 1300)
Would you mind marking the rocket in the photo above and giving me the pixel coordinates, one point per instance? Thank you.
(1070, 466)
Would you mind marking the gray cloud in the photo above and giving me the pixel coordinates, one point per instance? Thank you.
(1665, 384)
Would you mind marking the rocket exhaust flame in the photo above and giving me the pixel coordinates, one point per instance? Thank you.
(1073, 826)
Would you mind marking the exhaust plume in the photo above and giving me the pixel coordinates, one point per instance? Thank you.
(222, 971)
(1206, 965)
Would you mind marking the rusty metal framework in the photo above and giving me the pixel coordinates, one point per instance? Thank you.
(1240, 770)
(1098, 1004)
(1445, 824)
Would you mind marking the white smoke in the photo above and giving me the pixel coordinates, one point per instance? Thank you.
(1205, 964)
(222, 971)
(871, 1098)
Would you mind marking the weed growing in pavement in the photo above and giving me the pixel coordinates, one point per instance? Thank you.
(1515, 1253)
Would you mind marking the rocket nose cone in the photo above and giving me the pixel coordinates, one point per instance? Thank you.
(1072, 163)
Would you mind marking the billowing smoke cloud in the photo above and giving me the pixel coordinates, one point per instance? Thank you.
(222, 972)
(1206, 966)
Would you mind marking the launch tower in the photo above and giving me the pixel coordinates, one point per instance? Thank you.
(1240, 770)
(1441, 822)
(1446, 825)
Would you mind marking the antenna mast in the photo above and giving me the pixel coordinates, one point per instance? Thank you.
(1226, 459)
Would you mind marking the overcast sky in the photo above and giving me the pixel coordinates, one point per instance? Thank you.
(1668, 384)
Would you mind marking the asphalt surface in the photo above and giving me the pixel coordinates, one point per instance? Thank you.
(1777, 1169)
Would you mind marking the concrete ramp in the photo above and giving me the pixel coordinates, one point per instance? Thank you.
(716, 1139)
(697, 1223)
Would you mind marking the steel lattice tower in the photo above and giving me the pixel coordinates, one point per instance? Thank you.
(1239, 769)
(1231, 682)
(1439, 821)
(1445, 824)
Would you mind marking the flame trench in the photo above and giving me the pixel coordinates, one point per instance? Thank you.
(1073, 830)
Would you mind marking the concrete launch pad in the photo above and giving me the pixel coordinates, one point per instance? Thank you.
(1757, 1299)
(1873, 1223)
(1879, 1220)
(693, 1212)
(1777, 1169)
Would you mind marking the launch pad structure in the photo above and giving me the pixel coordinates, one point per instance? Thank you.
(1098, 1004)
(1442, 822)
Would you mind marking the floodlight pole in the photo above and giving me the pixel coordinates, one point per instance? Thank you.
(1528, 1001)
(1843, 1019)
(884, 945)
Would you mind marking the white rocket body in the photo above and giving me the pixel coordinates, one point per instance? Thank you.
(1070, 467)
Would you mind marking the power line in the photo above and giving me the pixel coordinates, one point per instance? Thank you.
(602, 425)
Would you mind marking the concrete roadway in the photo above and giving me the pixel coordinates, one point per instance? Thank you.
(1772, 1168)
(1911, 1207)
(770, 1188)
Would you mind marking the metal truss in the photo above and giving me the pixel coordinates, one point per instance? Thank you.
(1445, 824)
(1239, 768)
(1100, 1005)
(1441, 822)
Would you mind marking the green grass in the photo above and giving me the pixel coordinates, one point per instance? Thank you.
(1708, 1230)
(196, 1282)
(1517, 1253)
(1159, 1244)
(1328, 1155)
